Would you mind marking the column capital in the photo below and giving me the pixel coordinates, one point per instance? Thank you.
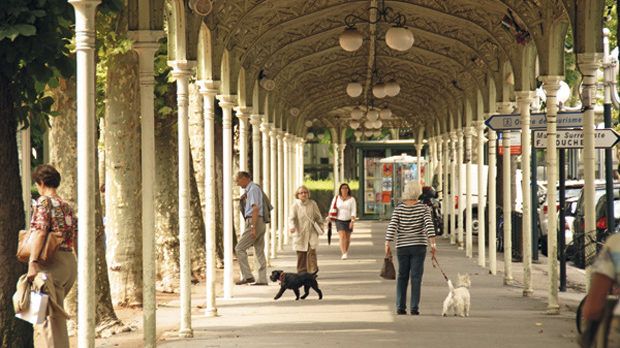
(459, 133)
(523, 97)
(226, 101)
(256, 119)
(279, 134)
(242, 112)
(469, 131)
(589, 61)
(145, 39)
(505, 107)
(453, 136)
(446, 137)
(551, 83)
(208, 87)
(182, 68)
(265, 127)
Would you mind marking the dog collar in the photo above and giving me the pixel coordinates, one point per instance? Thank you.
(281, 274)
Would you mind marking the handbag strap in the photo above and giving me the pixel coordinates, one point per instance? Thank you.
(306, 214)
(335, 201)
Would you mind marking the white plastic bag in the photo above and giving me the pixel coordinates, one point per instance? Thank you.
(37, 310)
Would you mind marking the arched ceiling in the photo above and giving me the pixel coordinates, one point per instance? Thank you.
(458, 45)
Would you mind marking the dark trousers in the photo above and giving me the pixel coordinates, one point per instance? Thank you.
(410, 264)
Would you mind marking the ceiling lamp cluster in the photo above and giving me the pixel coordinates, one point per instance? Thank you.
(398, 37)
(391, 88)
(373, 120)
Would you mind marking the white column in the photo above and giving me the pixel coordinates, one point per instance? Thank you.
(453, 187)
(341, 158)
(265, 127)
(551, 84)
(445, 196)
(287, 184)
(209, 91)
(481, 197)
(256, 120)
(243, 114)
(302, 143)
(227, 103)
(492, 201)
(273, 195)
(182, 72)
(146, 44)
(26, 151)
(432, 155)
(459, 189)
(507, 107)
(336, 171)
(281, 207)
(418, 148)
(439, 162)
(524, 99)
(468, 182)
(87, 166)
(589, 63)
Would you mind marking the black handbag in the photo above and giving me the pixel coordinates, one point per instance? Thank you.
(387, 270)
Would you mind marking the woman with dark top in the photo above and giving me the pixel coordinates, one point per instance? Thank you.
(347, 211)
(52, 214)
(411, 227)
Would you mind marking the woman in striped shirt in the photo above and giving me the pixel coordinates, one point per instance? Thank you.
(411, 227)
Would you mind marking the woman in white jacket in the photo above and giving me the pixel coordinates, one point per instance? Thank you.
(304, 213)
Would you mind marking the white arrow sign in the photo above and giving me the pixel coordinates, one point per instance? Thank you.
(573, 139)
(537, 121)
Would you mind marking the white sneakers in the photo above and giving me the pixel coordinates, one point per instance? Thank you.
(344, 256)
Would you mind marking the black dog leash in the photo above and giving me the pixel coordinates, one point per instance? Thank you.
(436, 265)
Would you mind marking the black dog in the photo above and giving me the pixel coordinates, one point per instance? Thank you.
(294, 281)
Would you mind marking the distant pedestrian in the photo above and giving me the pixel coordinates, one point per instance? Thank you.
(411, 227)
(304, 213)
(254, 234)
(346, 208)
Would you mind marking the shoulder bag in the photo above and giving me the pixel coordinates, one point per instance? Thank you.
(26, 241)
(333, 212)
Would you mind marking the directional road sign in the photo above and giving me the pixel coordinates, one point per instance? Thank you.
(573, 139)
(537, 121)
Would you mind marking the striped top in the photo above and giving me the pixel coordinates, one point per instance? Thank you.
(410, 225)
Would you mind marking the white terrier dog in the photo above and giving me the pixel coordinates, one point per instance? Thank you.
(458, 298)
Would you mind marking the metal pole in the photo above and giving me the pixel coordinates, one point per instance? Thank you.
(562, 222)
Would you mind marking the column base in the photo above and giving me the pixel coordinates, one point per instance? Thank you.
(186, 333)
(553, 309)
(528, 292)
(211, 312)
(508, 281)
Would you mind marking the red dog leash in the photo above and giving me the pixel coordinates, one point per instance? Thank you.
(436, 265)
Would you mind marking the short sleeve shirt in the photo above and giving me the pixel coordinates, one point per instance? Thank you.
(608, 262)
(254, 196)
(54, 215)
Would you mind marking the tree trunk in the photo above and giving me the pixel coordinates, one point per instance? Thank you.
(123, 180)
(63, 145)
(197, 180)
(13, 332)
(166, 203)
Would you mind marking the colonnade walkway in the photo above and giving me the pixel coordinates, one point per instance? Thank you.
(358, 307)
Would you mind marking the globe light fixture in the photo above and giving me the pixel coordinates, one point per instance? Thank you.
(308, 124)
(354, 125)
(358, 133)
(399, 38)
(372, 115)
(265, 82)
(368, 132)
(378, 90)
(376, 133)
(368, 124)
(320, 135)
(357, 113)
(310, 136)
(354, 89)
(351, 40)
(392, 88)
(385, 114)
(377, 124)
(294, 111)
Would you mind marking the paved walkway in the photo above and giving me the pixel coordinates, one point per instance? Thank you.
(358, 308)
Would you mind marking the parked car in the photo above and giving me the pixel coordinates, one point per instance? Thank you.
(573, 189)
(579, 255)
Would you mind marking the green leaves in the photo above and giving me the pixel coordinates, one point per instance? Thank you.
(12, 32)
